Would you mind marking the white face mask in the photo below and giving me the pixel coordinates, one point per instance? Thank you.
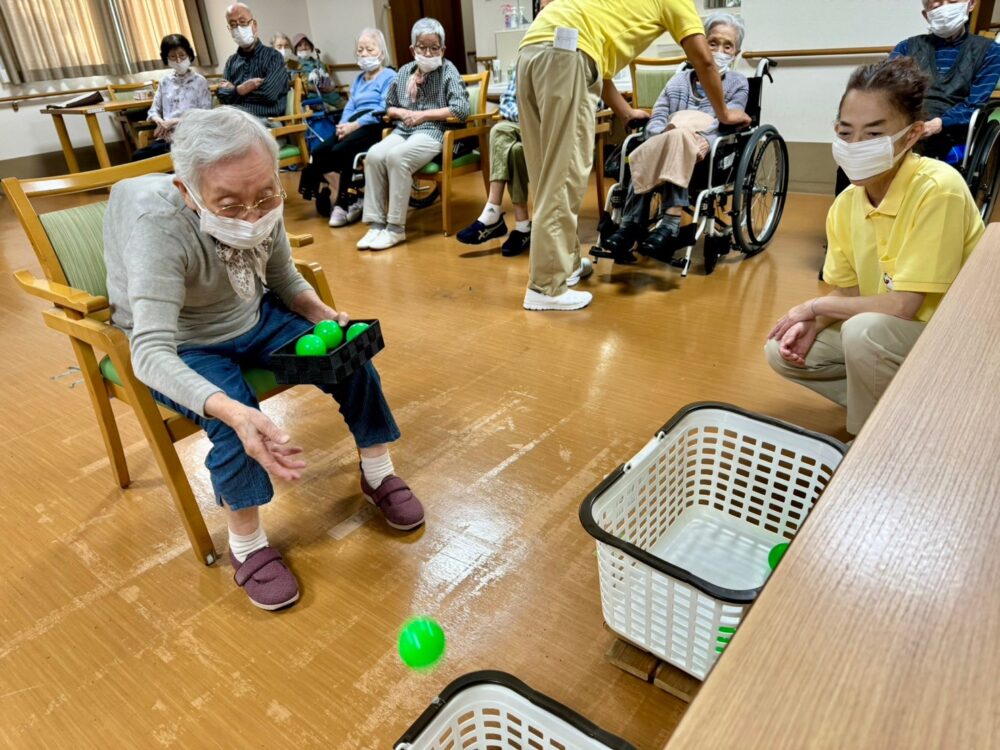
(428, 64)
(866, 159)
(286, 53)
(306, 55)
(243, 35)
(243, 235)
(723, 61)
(180, 67)
(368, 64)
(946, 21)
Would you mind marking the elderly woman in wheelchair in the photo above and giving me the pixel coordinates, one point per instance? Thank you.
(679, 134)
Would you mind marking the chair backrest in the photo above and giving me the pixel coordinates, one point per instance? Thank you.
(293, 99)
(649, 77)
(120, 92)
(69, 243)
(477, 84)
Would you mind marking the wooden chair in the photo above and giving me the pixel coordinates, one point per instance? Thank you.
(69, 247)
(136, 129)
(292, 126)
(441, 173)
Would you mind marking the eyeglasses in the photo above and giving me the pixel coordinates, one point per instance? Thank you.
(427, 50)
(241, 22)
(264, 205)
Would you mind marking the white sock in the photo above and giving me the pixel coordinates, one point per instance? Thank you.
(490, 214)
(376, 469)
(523, 226)
(242, 545)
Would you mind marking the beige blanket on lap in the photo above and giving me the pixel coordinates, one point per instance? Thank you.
(671, 155)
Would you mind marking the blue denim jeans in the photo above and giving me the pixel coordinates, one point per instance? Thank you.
(236, 477)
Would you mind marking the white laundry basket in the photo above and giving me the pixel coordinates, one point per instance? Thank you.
(684, 529)
(492, 710)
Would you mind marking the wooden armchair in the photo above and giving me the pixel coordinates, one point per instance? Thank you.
(69, 247)
(292, 125)
(136, 129)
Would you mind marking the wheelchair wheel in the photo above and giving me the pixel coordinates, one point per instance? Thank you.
(760, 189)
(983, 174)
(423, 194)
(324, 202)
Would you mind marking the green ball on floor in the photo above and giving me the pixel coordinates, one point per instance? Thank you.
(421, 643)
(776, 553)
(310, 345)
(356, 330)
(331, 333)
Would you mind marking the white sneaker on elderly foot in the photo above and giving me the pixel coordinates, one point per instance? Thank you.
(568, 300)
(586, 268)
(386, 239)
(354, 211)
(338, 217)
(370, 236)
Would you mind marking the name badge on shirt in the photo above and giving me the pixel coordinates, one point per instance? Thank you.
(566, 39)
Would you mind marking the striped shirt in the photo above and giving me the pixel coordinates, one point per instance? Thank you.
(260, 61)
(682, 92)
(508, 100)
(982, 87)
(443, 87)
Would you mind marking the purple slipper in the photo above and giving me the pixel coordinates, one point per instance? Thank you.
(396, 501)
(263, 575)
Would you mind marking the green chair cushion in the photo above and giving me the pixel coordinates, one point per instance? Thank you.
(650, 83)
(290, 151)
(262, 381)
(434, 167)
(77, 236)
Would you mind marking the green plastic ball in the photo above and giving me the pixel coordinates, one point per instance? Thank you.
(776, 553)
(331, 333)
(310, 346)
(421, 643)
(356, 330)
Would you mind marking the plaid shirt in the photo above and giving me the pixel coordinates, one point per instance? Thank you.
(264, 62)
(508, 100)
(442, 88)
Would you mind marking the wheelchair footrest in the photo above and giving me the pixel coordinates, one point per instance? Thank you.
(665, 253)
(626, 260)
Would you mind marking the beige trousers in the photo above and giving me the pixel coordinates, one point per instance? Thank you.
(389, 168)
(853, 363)
(557, 93)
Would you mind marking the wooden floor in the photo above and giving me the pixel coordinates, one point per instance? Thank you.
(111, 635)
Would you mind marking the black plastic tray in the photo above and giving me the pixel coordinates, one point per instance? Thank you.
(335, 366)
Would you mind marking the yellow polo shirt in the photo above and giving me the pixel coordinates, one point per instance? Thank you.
(615, 32)
(916, 240)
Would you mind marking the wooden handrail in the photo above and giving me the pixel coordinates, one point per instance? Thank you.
(828, 52)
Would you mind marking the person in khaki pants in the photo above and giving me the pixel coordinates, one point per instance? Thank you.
(567, 60)
(897, 239)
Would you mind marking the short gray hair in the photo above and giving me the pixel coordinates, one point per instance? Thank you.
(279, 35)
(205, 137)
(727, 19)
(379, 38)
(232, 8)
(426, 26)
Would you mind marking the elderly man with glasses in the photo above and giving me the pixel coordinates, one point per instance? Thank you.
(255, 78)
(200, 278)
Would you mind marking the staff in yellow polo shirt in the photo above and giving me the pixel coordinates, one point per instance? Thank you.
(572, 46)
(897, 239)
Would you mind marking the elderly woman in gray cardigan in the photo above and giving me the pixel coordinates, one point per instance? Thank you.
(425, 94)
(683, 93)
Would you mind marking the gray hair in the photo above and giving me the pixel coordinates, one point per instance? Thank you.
(279, 35)
(727, 19)
(379, 38)
(232, 8)
(427, 26)
(205, 137)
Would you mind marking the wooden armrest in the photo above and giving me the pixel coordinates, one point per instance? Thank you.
(303, 115)
(60, 294)
(313, 273)
(605, 114)
(477, 117)
(299, 240)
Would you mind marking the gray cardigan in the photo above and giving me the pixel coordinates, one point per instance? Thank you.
(682, 93)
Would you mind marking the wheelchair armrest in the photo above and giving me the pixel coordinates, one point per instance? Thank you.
(636, 125)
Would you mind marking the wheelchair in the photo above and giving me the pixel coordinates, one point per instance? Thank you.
(741, 187)
(979, 159)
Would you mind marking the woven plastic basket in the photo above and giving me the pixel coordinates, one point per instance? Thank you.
(684, 529)
(495, 711)
(335, 366)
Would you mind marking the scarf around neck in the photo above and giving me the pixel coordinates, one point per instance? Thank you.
(244, 267)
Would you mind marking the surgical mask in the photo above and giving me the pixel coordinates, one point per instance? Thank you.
(243, 35)
(368, 64)
(243, 235)
(180, 67)
(307, 55)
(946, 21)
(286, 53)
(866, 159)
(428, 64)
(723, 61)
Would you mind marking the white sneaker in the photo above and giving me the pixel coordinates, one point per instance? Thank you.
(386, 239)
(354, 211)
(370, 236)
(568, 300)
(338, 217)
(586, 268)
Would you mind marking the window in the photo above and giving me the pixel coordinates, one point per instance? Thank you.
(716, 4)
(53, 39)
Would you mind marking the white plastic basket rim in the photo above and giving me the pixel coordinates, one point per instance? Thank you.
(731, 596)
(509, 682)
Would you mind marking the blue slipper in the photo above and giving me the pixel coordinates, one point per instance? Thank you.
(478, 233)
